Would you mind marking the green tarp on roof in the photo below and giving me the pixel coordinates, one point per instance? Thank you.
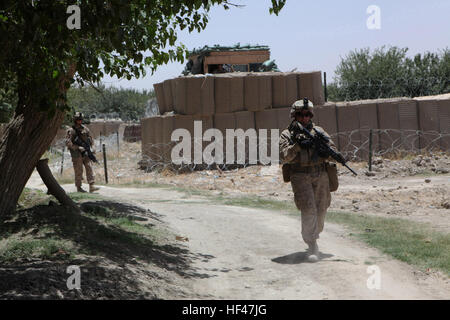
(236, 47)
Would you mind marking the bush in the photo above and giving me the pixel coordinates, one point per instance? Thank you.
(386, 73)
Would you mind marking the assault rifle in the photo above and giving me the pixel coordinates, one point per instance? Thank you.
(320, 142)
(87, 148)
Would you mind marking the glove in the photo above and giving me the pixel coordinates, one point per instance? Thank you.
(82, 150)
(306, 143)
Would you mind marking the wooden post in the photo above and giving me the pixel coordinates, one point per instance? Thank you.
(370, 150)
(105, 163)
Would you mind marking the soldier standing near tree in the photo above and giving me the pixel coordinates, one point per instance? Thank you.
(79, 154)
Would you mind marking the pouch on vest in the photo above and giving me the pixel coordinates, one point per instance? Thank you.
(286, 169)
(332, 176)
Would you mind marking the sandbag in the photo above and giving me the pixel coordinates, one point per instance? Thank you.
(168, 99)
(159, 91)
(284, 89)
(257, 92)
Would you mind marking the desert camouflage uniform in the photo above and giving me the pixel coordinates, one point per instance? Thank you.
(77, 159)
(310, 183)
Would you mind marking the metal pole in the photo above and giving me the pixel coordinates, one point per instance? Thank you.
(118, 148)
(100, 139)
(325, 86)
(105, 163)
(62, 159)
(370, 150)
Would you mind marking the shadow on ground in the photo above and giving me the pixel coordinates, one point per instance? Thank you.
(298, 257)
(111, 259)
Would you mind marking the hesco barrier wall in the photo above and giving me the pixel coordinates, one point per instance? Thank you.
(400, 124)
(132, 133)
(238, 91)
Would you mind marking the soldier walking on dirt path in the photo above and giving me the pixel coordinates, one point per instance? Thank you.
(306, 170)
(79, 154)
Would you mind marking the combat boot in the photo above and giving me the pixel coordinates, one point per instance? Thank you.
(93, 188)
(80, 189)
(313, 251)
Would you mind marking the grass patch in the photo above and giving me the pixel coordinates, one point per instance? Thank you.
(20, 249)
(142, 184)
(414, 243)
(411, 242)
(127, 224)
(135, 183)
(64, 180)
(33, 197)
(191, 192)
(78, 196)
(108, 228)
(258, 202)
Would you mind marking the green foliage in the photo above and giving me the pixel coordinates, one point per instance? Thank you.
(128, 104)
(414, 243)
(50, 248)
(386, 73)
(118, 38)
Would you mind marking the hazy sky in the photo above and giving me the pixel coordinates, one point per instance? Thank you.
(313, 35)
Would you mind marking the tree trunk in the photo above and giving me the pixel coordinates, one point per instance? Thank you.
(25, 139)
(53, 186)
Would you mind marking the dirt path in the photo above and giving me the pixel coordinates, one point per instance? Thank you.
(258, 254)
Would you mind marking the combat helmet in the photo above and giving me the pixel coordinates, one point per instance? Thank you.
(300, 105)
(77, 116)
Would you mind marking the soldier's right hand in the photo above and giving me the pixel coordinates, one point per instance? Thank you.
(81, 149)
(306, 143)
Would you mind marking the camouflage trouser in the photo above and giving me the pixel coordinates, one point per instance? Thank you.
(78, 163)
(312, 197)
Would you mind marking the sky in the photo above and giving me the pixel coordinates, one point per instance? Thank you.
(314, 35)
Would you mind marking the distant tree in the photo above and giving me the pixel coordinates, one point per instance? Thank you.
(389, 72)
(428, 74)
(46, 56)
(130, 104)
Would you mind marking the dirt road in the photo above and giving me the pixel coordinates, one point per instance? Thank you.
(258, 254)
